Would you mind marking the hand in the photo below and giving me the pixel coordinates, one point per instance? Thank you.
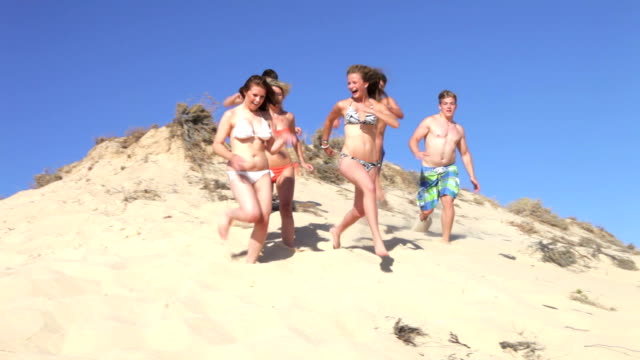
(298, 131)
(364, 108)
(420, 155)
(476, 185)
(237, 163)
(290, 139)
(329, 151)
(307, 166)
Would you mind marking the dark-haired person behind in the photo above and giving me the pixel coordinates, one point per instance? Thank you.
(236, 99)
(248, 169)
(358, 161)
(393, 107)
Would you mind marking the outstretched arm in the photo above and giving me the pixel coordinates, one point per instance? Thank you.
(235, 99)
(333, 116)
(467, 160)
(393, 107)
(298, 146)
(420, 133)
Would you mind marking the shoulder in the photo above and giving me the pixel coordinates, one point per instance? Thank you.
(343, 104)
(429, 119)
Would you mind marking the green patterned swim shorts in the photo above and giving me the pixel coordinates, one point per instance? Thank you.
(436, 182)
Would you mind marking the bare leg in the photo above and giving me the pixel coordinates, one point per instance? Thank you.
(286, 186)
(379, 190)
(263, 192)
(364, 201)
(248, 211)
(448, 213)
(349, 219)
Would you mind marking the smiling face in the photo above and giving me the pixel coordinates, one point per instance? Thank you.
(356, 85)
(448, 106)
(254, 97)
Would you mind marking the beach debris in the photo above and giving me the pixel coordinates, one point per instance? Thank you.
(550, 307)
(453, 338)
(529, 348)
(407, 333)
(508, 256)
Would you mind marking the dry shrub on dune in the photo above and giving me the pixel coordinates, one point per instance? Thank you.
(534, 210)
(46, 178)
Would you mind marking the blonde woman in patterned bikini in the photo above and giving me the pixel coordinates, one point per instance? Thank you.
(358, 161)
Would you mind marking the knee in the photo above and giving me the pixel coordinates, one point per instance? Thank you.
(427, 212)
(358, 210)
(254, 215)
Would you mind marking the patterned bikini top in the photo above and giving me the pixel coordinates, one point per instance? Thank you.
(243, 130)
(351, 117)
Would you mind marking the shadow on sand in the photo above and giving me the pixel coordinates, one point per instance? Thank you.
(307, 238)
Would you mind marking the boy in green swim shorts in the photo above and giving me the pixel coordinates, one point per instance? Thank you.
(439, 174)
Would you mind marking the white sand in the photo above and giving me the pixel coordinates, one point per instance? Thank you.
(87, 275)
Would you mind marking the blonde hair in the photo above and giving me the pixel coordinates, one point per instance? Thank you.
(279, 84)
(445, 94)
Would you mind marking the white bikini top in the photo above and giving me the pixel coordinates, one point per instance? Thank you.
(244, 130)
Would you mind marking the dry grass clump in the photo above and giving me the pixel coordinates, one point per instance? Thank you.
(397, 177)
(328, 173)
(133, 135)
(526, 227)
(598, 231)
(581, 297)
(46, 178)
(195, 126)
(529, 348)
(533, 209)
(562, 256)
(146, 194)
(215, 188)
(100, 139)
(480, 199)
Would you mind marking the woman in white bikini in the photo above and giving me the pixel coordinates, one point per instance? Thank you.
(280, 163)
(358, 160)
(248, 168)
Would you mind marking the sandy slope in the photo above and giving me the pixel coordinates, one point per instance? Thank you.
(120, 260)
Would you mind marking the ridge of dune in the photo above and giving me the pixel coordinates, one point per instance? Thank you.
(120, 259)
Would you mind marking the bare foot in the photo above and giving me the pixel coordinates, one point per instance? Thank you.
(223, 227)
(336, 238)
(424, 224)
(380, 250)
(288, 244)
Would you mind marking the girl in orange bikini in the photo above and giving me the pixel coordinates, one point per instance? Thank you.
(282, 167)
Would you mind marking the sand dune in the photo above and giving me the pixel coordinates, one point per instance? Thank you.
(120, 260)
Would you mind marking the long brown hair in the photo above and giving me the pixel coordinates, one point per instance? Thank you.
(261, 81)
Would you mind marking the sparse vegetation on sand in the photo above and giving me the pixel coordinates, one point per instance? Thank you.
(131, 136)
(581, 297)
(533, 209)
(527, 227)
(46, 178)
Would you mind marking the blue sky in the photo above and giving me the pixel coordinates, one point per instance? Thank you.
(547, 90)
